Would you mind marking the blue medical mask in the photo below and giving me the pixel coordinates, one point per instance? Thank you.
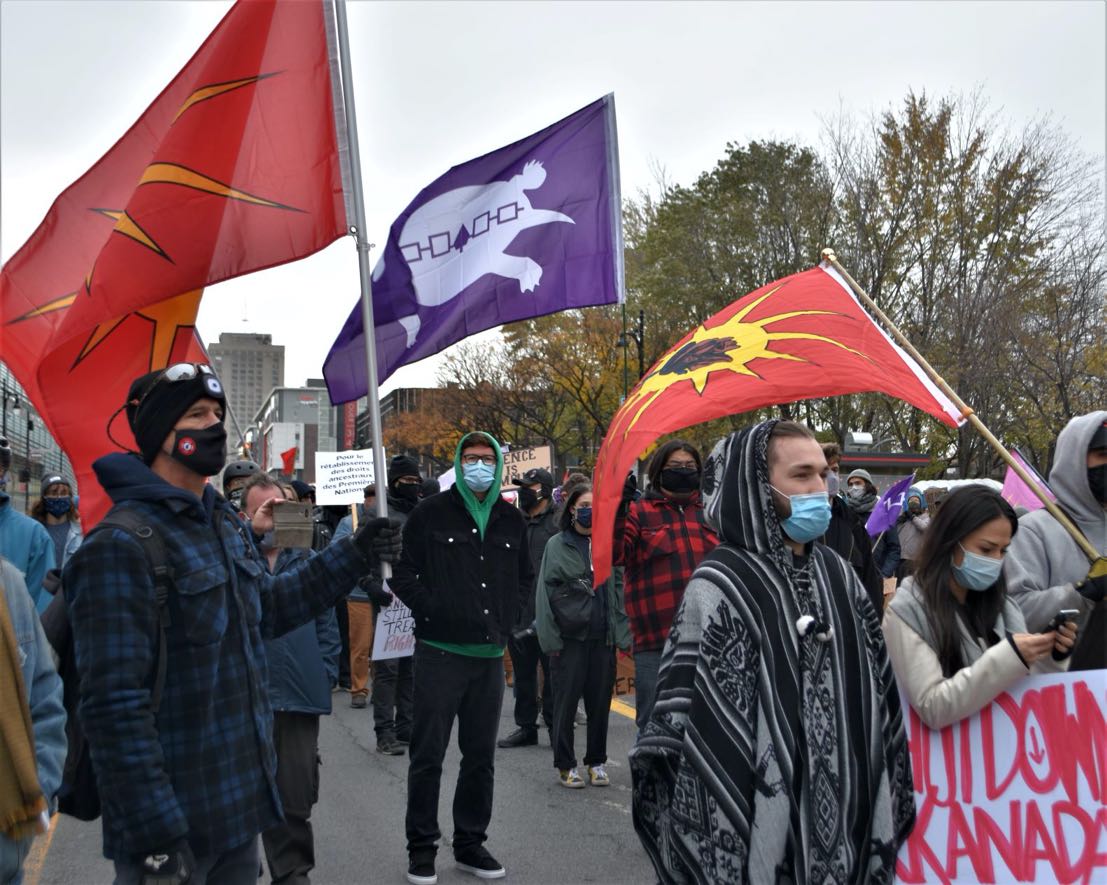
(57, 506)
(977, 572)
(478, 476)
(583, 517)
(810, 516)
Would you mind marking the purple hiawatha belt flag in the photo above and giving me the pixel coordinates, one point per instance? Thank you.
(889, 507)
(529, 229)
(1016, 492)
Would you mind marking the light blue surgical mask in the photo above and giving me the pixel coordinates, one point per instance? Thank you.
(977, 572)
(478, 476)
(810, 516)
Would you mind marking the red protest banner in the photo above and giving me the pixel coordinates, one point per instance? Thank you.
(1016, 793)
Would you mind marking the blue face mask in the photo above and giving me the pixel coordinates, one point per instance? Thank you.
(583, 517)
(810, 516)
(977, 572)
(57, 506)
(478, 476)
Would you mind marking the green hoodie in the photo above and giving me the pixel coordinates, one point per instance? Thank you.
(479, 510)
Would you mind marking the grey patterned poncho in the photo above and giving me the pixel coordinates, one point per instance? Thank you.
(770, 758)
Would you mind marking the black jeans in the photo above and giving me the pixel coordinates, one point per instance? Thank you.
(393, 690)
(471, 690)
(290, 846)
(525, 658)
(583, 668)
(343, 618)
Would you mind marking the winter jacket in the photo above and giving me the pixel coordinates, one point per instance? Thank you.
(911, 530)
(462, 588)
(563, 564)
(26, 544)
(44, 699)
(540, 529)
(1044, 563)
(991, 669)
(847, 537)
(202, 768)
(886, 553)
(659, 542)
(303, 664)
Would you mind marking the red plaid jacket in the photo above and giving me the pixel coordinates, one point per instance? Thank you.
(659, 543)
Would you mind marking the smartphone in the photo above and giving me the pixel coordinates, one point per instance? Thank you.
(1065, 614)
(292, 524)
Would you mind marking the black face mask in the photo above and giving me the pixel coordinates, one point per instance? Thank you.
(1097, 482)
(680, 479)
(528, 498)
(201, 451)
(407, 491)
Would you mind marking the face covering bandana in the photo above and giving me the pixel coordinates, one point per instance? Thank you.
(57, 506)
(810, 516)
(977, 572)
(583, 517)
(680, 479)
(478, 476)
(528, 498)
(235, 499)
(1097, 482)
(201, 451)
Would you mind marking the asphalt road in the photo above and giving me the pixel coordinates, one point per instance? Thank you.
(540, 831)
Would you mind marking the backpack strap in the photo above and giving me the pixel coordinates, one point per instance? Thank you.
(153, 546)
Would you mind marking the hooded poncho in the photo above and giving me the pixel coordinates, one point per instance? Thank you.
(770, 758)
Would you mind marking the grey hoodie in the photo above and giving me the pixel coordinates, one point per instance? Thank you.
(1044, 562)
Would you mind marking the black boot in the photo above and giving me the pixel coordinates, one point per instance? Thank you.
(521, 737)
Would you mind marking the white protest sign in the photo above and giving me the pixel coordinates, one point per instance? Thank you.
(341, 477)
(394, 636)
(1016, 793)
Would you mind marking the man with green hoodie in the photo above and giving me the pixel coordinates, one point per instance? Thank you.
(464, 570)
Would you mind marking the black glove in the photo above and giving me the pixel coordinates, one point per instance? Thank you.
(630, 488)
(1094, 589)
(379, 539)
(376, 593)
(169, 866)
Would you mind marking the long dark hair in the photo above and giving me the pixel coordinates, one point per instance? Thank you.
(663, 454)
(565, 518)
(961, 514)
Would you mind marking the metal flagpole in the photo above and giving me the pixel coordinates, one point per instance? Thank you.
(1098, 561)
(365, 271)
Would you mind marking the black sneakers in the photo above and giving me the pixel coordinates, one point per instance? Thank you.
(420, 868)
(478, 862)
(521, 737)
(389, 746)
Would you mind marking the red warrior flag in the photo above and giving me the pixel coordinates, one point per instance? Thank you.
(288, 460)
(802, 337)
(233, 168)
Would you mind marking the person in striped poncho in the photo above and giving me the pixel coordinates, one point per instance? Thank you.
(776, 750)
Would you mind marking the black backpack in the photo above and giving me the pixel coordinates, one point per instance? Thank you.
(78, 795)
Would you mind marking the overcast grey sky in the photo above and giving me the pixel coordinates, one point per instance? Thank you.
(439, 83)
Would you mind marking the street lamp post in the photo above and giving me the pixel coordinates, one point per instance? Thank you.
(27, 455)
(638, 336)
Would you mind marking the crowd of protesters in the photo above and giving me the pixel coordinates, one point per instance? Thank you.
(771, 637)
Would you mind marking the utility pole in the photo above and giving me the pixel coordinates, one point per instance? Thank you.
(638, 336)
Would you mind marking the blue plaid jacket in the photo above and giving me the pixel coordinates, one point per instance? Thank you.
(203, 768)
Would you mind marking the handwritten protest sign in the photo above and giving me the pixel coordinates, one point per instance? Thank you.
(395, 633)
(1016, 793)
(341, 477)
(519, 461)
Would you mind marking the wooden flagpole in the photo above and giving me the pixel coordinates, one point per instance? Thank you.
(1099, 562)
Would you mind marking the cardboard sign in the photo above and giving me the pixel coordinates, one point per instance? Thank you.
(341, 477)
(519, 461)
(1016, 793)
(624, 674)
(394, 636)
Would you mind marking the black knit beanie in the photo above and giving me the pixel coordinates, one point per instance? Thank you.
(402, 465)
(155, 404)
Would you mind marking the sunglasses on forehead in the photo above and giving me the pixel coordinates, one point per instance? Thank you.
(182, 372)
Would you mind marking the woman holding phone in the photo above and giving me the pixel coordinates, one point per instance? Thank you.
(955, 638)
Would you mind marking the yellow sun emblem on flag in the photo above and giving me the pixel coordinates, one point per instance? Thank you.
(728, 347)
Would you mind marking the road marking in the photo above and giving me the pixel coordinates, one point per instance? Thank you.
(32, 868)
(622, 709)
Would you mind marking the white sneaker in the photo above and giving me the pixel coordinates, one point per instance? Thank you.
(597, 774)
(571, 778)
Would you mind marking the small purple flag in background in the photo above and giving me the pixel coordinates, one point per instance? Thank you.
(1017, 493)
(889, 507)
(527, 230)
